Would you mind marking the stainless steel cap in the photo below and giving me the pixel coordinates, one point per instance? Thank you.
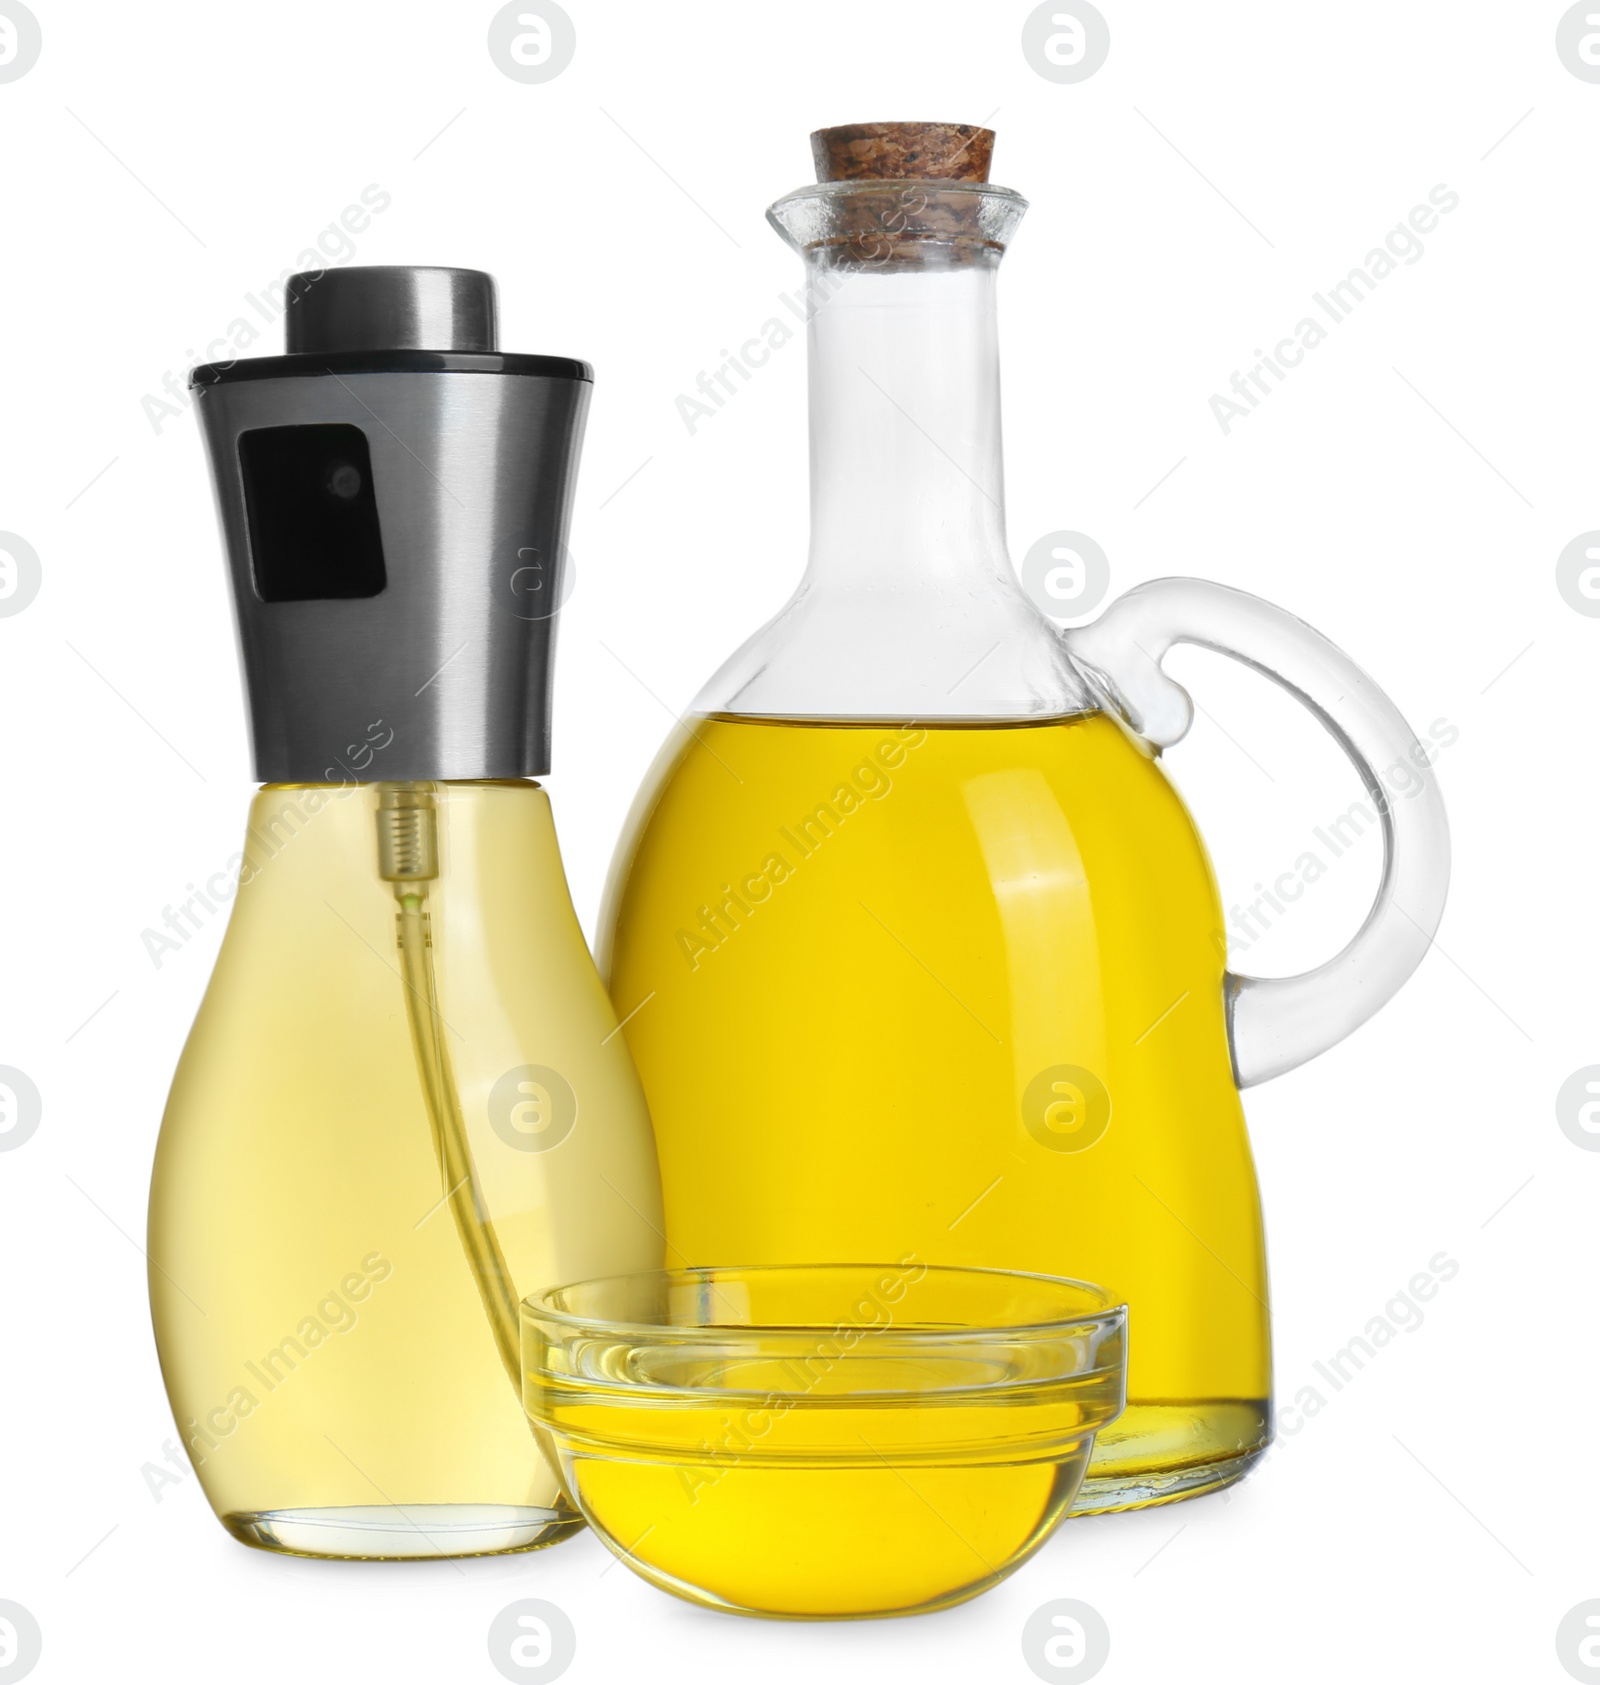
(394, 496)
(391, 308)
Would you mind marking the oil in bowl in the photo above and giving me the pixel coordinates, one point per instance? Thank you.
(823, 1441)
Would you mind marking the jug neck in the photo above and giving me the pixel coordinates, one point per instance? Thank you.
(906, 468)
(909, 609)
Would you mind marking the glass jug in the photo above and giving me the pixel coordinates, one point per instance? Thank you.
(918, 950)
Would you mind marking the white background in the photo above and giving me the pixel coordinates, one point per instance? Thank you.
(1407, 491)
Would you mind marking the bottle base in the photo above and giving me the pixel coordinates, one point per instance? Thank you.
(413, 1533)
(1159, 1451)
(1119, 1492)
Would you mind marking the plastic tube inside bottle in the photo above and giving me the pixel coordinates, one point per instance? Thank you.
(408, 857)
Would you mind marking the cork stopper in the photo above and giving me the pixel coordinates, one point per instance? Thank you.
(953, 152)
(896, 196)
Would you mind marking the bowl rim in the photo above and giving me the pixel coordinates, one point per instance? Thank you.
(1106, 1312)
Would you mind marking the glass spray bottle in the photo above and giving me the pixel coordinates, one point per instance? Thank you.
(404, 1103)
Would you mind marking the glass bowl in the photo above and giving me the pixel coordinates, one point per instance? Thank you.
(823, 1441)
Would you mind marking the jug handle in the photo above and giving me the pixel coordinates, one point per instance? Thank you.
(1276, 1023)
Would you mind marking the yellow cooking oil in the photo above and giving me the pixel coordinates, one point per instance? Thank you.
(359, 1172)
(954, 991)
(809, 1510)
